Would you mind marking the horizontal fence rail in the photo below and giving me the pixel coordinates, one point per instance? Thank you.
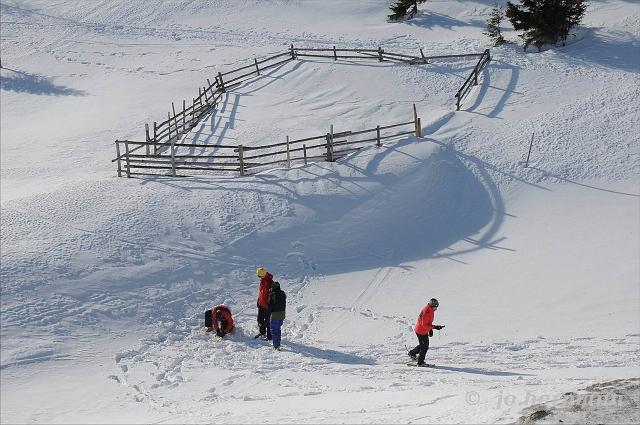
(163, 147)
(472, 78)
(174, 157)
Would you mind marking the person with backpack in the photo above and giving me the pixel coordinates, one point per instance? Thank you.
(277, 307)
(266, 280)
(424, 329)
(220, 319)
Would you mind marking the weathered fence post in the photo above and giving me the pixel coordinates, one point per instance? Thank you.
(458, 101)
(488, 53)
(184, 115)
(335, 54)
(380, 52)
(221, 82)
(169, 123)
(378, 135)
(126, 155)
(293, 52)
(118, 156)
(288, 154)
(241, 159)
(210, 88)
(329, 155)
(330, 147)
(526, 165)
(175, 122)
(148, 139)
(173, 158)
(304, 151)
(332, 140)
(416, 122)
(155, 137)
(424, 60)
(257, 68)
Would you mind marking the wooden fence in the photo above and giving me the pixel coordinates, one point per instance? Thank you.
(164, 136)
(245, 159)
(179, 123)
(473, 77)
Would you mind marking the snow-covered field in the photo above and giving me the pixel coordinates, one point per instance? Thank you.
(105, 279)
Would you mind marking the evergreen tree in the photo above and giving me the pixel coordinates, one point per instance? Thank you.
(493, 26)
(545, 21)
(401, 8)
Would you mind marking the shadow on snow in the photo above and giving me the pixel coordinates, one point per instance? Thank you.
(23, 82)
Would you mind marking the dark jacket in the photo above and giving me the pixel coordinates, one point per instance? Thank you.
(277, 302)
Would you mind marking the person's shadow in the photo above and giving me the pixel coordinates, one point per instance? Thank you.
(331, 355)
(478, 371)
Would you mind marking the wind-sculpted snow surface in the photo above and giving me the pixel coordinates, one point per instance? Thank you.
(104, 281)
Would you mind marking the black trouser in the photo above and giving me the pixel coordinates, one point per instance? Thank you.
(222, 331)
(263, 321)
(421, 348)
(207, 319)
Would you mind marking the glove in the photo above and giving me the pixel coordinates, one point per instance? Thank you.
(438, 327)
(431, 332)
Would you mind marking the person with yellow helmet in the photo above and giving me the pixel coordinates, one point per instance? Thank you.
(266, 280)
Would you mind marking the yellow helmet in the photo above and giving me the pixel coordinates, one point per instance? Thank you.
(261, 272)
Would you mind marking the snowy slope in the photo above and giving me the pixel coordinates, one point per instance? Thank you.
(104, 280)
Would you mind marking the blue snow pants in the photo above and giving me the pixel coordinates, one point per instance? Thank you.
(276, 331)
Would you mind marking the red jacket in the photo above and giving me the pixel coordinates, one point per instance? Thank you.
(263, 294)
(226, 316)
(425, 320)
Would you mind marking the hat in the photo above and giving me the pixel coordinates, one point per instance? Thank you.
(261, 272)
(275, 285)
(434, 303)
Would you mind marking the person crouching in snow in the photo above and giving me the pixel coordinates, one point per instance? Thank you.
(266, 279)
(277, 306)
(219, 319)
(424, 329)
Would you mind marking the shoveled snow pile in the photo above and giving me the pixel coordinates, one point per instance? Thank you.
(105, 280)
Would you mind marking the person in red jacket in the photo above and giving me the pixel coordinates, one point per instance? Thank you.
(266, 280)
(424, 329)
(220, 319)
